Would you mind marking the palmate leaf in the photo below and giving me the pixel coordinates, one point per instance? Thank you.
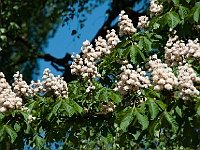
(173, 19)
(153, 108)
(142, 119)
(11, 132)
(125, 117)
(69, 109)
(135, 54)
(172, 121)
(55, 109)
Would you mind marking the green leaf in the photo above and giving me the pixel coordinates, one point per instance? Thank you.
(161, 104)
(11, 132)
(155, 125)
(188, 1)
(76, 106)
(172, 121)
(24, 114)
(176, 2)
(98, 94)
(69, 109)
(156, 25)
(183, 12)
(142, 119)
(123, 44)
(2, 133)
(3, 37)
(55, 109)
(158, 36)
(14, 25)
(33, 104)
(39, 142)
(179, 111)
(141, 44)
(198, 110)
(17, 127)
(125, 117)
(147, 44)
(150, 93)
(173, 19)
(115, 97)
(1, 116)
(2, 30)
(153, 108)
(136, 55)
(105, 94)
(197, 4)
(197, 13)
(28, 128)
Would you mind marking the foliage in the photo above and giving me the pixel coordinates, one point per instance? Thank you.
(104, 118)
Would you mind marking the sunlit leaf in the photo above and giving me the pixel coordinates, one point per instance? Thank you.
(153, 108)
(173, 19)
(125, 117)
(69, 109)
(197, 12)
(142, 119)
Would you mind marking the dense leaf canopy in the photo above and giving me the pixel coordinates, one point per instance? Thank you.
(135, 87)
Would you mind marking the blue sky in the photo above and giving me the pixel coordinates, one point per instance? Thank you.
(63, 42)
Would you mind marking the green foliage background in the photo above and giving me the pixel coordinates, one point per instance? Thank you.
(164, 120)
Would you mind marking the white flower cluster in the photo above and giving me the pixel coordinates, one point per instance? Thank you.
(162, 75)
(107, 108)
(86, 66)
(50, 83)
(131, 80)
(125, 25)
(20, 87)
(143, 22)
(176, 51)
(187, 77)
(193, 49)
(112, 40)
(12, 99)
(8, 99)
(155, 8)
(101, 47)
